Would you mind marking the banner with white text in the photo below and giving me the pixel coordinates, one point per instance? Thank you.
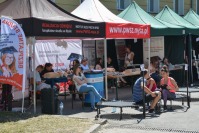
(12, 54)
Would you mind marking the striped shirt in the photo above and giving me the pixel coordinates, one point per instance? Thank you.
(137, 90)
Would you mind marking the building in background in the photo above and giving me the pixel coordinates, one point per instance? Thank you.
(151, 6)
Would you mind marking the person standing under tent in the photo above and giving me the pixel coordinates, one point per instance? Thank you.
(128, 60)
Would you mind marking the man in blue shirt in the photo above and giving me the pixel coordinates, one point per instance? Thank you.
(150, 96)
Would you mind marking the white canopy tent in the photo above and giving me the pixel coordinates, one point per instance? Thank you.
(94, 10)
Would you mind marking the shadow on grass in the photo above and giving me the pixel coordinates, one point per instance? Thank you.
(6, 116)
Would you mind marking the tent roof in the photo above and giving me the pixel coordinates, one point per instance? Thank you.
(134, 13)
(192, 17)
(170, 16)
(94, 10)
(44, 18)
(116, 27)
(42, 9)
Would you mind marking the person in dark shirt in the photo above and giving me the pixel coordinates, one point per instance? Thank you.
(47, 68)
(109, 63)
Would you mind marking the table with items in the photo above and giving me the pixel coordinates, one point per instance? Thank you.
(127, 72)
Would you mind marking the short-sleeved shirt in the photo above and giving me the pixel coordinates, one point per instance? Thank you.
(137, 90)
(85, 68)
(37, 78)
(127, 57)
(80, 78)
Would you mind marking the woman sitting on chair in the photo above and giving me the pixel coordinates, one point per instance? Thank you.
(82, 86)
(168, 86)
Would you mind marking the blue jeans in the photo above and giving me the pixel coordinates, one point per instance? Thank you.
(92, 92)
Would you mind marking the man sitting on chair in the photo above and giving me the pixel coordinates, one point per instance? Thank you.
(138, 92)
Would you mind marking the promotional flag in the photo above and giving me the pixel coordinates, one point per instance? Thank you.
(12, 54)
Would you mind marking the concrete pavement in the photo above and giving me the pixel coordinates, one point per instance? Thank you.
(178, 120)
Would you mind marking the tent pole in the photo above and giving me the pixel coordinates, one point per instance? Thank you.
(24, 76)
(34, 76)
(22, 101)
(190, 59)
(105, 66)
(149, 53)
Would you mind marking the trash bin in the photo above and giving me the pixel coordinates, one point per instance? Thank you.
(49, 101)
(97, 80)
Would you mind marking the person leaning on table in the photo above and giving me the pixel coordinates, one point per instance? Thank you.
(150, 96)
(82, 86)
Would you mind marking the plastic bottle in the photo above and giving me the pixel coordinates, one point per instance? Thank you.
(61, 107)
(114, 108)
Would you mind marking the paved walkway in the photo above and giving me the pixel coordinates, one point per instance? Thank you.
(178, 120)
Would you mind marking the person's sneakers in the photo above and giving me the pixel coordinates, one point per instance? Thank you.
(165, 108)
(151, 111)
(103, 99)
(93, 109)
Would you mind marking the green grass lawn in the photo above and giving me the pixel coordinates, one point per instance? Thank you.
(28, 123)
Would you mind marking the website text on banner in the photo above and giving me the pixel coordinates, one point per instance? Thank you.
(127, 30)
(12, 54)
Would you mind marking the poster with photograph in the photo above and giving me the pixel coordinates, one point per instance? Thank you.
(12, 54)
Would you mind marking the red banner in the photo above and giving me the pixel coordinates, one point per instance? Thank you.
(127, 30)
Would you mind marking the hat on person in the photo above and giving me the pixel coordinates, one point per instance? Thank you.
(9, 50)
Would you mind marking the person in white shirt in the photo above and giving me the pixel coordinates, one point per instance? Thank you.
(128, 61)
